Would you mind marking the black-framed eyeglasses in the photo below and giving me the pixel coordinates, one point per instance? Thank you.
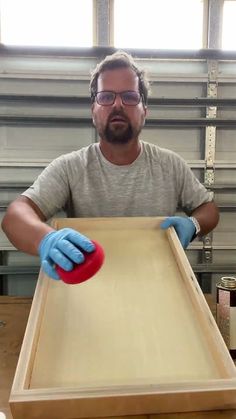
(107, 98)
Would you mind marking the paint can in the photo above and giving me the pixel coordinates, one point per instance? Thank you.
(226, 311)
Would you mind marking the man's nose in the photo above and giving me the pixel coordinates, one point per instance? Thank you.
(118, 101)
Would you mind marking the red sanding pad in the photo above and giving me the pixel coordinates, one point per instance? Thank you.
(83, 271)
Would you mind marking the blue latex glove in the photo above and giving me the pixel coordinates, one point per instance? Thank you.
(62, 247)
(183, 226)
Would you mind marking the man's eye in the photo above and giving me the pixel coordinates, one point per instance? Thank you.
(106, 97)
(130, 97)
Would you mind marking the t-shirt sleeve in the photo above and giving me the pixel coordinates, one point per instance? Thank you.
(51, 189)
(192, 193)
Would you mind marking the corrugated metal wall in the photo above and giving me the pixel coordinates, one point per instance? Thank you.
(45, 112)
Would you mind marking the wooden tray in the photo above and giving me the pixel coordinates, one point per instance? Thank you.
(138, 338)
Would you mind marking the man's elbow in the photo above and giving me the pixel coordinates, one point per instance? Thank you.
(6, 221)
(215, 214)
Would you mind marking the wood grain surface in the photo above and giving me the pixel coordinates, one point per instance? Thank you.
(104, 333)
(14, 313)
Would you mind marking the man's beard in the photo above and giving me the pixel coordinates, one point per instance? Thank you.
(118, 136)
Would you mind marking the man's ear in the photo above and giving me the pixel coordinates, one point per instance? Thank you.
(92, 110)
(145, 111)
(145, 114)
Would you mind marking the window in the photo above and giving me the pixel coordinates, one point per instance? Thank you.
(47, 22)
(229, 28)
(158, 24)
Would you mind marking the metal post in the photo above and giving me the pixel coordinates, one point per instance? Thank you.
(103, 22)
(215, 18)
(210, 147)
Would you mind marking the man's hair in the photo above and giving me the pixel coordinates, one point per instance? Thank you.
(119, 59)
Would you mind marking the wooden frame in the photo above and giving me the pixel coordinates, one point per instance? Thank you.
(138, 338)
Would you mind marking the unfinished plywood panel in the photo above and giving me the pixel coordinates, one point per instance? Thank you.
(136, 336)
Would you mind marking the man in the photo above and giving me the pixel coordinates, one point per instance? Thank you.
(119, 176)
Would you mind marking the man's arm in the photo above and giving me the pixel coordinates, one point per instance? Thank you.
(24, 225)
(208, 217)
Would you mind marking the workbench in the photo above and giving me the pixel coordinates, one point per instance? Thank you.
(14, 313)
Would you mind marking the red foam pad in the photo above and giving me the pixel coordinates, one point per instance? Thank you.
(83, 271)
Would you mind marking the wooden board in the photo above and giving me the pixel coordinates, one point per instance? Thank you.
(138, 338)
(14, 312)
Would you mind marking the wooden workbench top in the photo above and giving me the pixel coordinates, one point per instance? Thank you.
(14, 313)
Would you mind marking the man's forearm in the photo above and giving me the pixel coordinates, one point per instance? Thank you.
(208, 217)
(24, 227)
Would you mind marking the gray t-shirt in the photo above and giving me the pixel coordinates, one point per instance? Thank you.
(85, 184)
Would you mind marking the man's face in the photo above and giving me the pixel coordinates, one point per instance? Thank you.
(118, 123)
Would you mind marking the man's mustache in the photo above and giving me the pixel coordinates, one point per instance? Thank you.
(118, 115)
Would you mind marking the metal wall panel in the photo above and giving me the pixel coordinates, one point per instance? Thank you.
(225, 232)
(39, 142)
(44, 86)
(188, 143)
(19, 172)
(227, 90)
(178, 89)
(226, 145)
